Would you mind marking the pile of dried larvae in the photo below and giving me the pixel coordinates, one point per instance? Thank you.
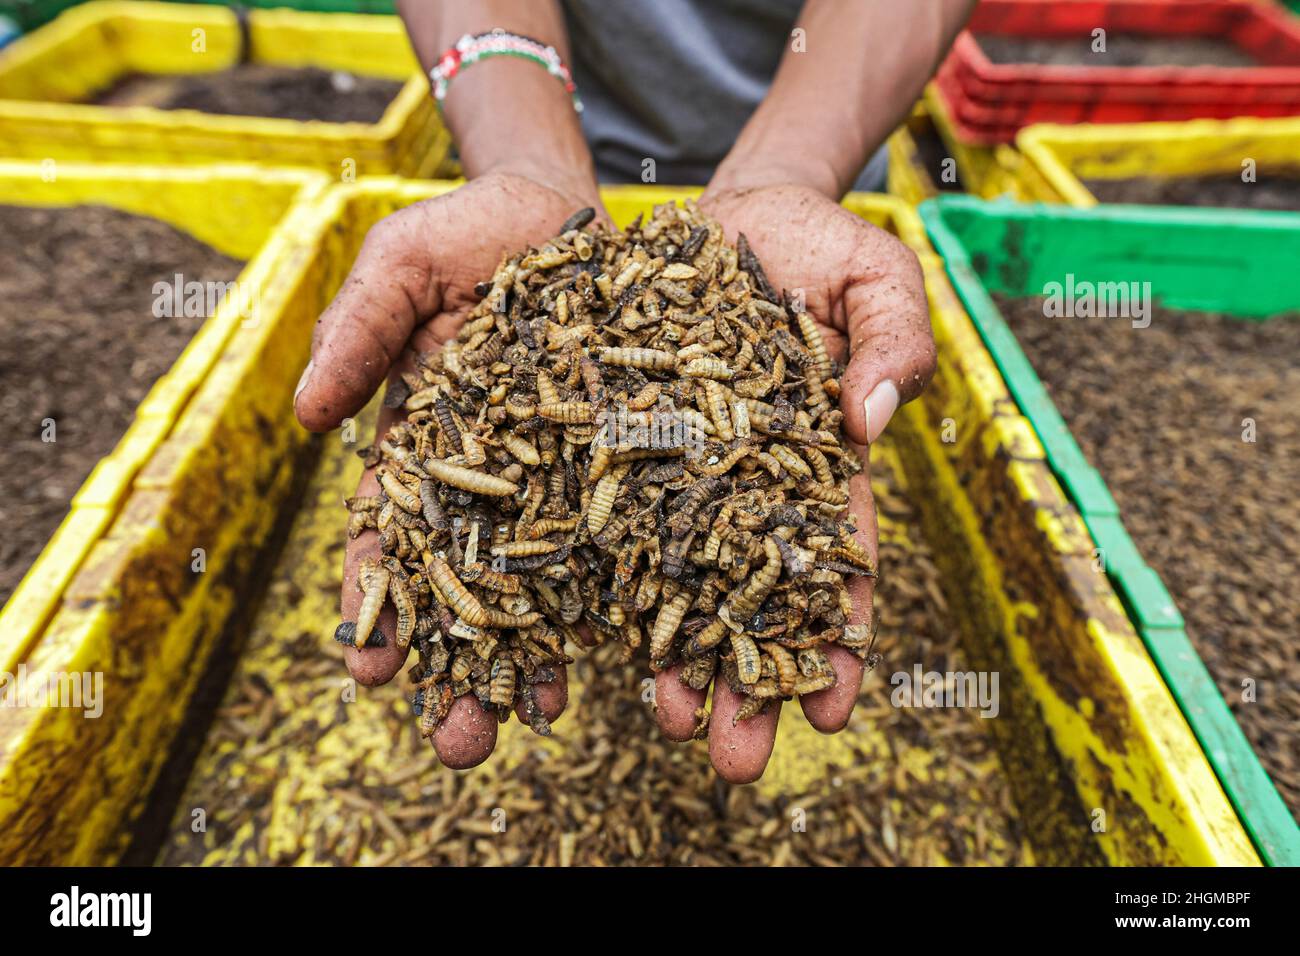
(634, 434)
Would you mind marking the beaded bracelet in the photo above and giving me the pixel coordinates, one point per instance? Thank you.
(471, 49)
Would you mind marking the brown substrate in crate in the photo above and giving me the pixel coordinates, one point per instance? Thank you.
(1273, 189)
(1162, 411)
(932, 153)
(291, 772)
(254, 89)
(81, 349)
(1122, 49)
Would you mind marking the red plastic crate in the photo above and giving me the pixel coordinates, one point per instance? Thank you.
(990, 101)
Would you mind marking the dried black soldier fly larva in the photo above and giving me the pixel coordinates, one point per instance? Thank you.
(633, 432)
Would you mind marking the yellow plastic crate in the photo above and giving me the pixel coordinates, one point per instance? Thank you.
(1087, 723)
(44, 74)
(68, 607)
(1057, 158)
(983, 169)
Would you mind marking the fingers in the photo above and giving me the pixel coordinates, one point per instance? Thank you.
(552, 697)
(675, 704)
(467, 736)
(739, 752)
(829, 710)
(370, 666)
(365, 329)
(891, 347)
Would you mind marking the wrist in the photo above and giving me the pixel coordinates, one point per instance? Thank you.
(745, 170)
(509, 116)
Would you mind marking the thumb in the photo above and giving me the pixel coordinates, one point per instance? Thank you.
(891, 347)
(364, 330)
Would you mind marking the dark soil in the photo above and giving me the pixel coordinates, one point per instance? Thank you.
(932, 152)
(81, 347)
(1160, 412)
(1277, 190)
(254, 89)
(1122, 49)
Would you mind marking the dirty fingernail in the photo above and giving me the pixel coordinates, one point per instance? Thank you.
(879, 408)
(302, 381)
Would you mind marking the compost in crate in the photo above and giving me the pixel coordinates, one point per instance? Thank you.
(73, 376)
(1276, 188)
(632, 431)
(1189, 419)
(1114, 49)
(257, 89)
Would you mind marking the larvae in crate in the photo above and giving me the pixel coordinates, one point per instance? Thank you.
(632, 435)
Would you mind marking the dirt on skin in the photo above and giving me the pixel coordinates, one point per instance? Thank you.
(1273, 189)
(1163, 413)
(81, 349)
(1122, 49)
(254, 89)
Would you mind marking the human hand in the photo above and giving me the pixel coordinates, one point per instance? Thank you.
(865, 290)
(409, 292)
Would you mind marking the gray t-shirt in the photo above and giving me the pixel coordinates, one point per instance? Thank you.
(674, 81)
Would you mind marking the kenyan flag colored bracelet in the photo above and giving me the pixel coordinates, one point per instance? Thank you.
(471, 49)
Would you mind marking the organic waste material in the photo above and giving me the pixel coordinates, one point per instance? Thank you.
(1121, 49)
(257, 89)
(82, 347)
(1192, 423)
(632, 432)
(1271, 188)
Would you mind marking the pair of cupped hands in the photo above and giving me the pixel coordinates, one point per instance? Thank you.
(412, 286)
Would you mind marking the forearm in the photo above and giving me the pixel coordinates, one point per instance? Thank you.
(506, 114)
(832, 105)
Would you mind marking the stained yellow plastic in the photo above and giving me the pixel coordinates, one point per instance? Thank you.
(45, 74)
(1070, 662)
(1056, 158)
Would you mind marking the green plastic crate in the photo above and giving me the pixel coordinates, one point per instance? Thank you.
(1236, 261)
